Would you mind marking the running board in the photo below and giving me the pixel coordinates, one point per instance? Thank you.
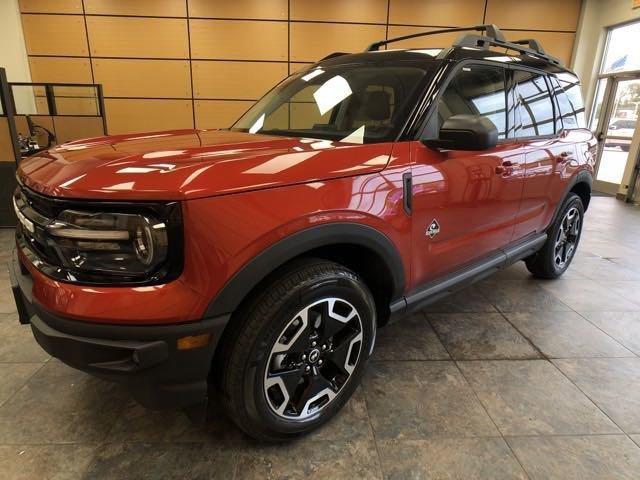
(438, 289)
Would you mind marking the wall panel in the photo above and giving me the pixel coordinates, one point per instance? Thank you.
(60, 70)
(138, 37)
(75, 128)
(535, 14)
(312, 41)
(6, 148)
(364, 11)
(238, 40)
(159, 8)
(185, 63)
(262, 9)
(51, 6)
(241, 80)
(143, 78)
(219, 114)
(146, 115)
(55, 35)
(441, 13)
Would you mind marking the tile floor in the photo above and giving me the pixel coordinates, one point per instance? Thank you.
(511, 378)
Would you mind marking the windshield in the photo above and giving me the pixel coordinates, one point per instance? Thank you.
(348, 103)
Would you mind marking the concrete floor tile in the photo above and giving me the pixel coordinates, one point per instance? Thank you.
(61, 405)
(533, 398)
(58, 462)
(13, 376)
(623, 326)
(308, 458)
(469, 300)
(520, 296)
(410, 338)
(597, 457)
(566, 335)
(450, 458)
(612, 383)
(473, 336)
(604, 270)
(588, 296)
(417, 400)
(18, 343)
(161, 462)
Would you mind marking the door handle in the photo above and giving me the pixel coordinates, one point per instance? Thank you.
(504, 169)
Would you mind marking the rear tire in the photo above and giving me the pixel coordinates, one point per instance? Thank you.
(297, 350)
(555, 256)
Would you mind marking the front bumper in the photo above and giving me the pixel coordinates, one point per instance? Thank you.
(144, 358)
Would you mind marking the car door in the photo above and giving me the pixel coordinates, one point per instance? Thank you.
(464, 202)
(548, 150)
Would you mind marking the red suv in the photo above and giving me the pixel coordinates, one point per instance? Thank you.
(263, 258)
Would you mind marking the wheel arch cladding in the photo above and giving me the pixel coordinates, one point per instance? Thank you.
(583, 189)
(361, 248)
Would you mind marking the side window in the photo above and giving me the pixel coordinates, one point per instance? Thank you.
(476, 90)
(535, 107)
(569, 99)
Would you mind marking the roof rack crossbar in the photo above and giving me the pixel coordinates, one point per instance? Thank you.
(491, 31)
(532, 48)
(531, 43)
(492, 37)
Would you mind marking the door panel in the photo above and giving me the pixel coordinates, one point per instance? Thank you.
(545, 152)
(548, 166)
(472, 196)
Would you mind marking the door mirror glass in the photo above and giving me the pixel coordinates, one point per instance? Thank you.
(465, 132)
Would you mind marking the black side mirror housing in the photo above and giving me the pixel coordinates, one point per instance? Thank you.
(465, 132)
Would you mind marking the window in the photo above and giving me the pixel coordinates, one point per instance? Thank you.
(569, 98)
(476, 90)
(621, 53)
(535, 108)
(353, 103)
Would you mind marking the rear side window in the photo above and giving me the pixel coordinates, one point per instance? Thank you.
(534, 105)
(569, 97)
(475, 90)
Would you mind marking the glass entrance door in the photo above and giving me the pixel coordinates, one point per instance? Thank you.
(615, 121)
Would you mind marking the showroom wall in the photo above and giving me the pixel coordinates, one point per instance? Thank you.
(179, 63)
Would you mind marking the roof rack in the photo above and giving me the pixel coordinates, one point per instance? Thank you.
(492, 37)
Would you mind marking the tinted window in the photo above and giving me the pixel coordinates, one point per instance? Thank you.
(569, 99)
(477, 90)
(535, 107)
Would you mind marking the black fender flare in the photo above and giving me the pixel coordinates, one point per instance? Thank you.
(583, 176)
(251, 274)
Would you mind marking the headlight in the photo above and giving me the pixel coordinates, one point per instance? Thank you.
(100, 243)
(113, 244)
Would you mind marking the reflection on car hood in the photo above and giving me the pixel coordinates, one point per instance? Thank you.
(185, 164)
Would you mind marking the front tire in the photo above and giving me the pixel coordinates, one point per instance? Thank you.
(555, 256)
(297, 350)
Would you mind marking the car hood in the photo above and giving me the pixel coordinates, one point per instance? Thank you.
(185, 164)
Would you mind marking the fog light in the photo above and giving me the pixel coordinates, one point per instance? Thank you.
(194, 341)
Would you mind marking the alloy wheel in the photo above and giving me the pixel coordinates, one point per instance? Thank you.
(567, 238)
(313, 358)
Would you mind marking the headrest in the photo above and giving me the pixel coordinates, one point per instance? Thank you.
(377, 105)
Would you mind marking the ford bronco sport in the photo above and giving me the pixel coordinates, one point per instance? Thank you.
(263, 258)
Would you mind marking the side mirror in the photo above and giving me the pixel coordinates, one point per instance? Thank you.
(466, 132)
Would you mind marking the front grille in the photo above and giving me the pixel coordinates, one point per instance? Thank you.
(33, 215)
